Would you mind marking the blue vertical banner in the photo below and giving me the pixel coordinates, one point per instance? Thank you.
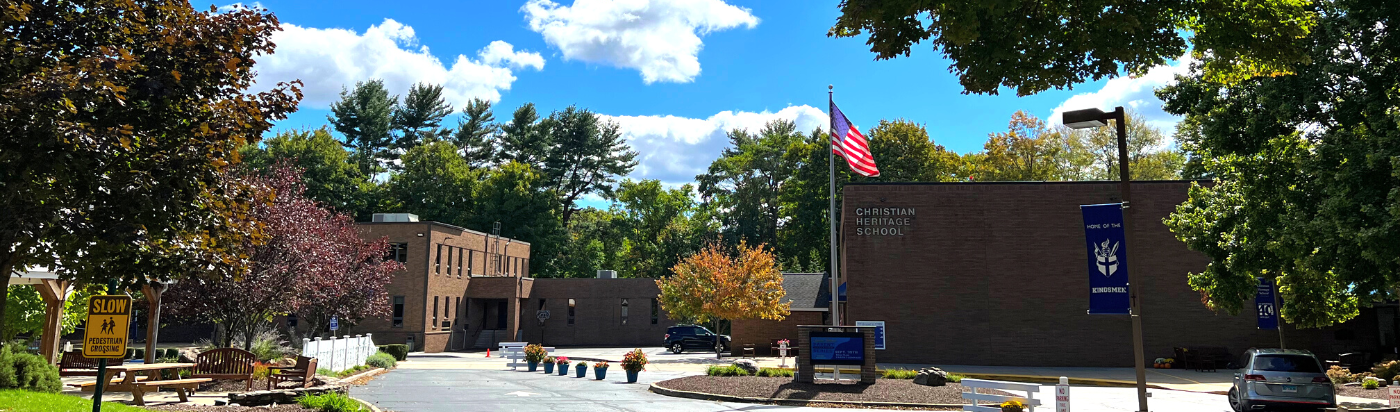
(1264, 302)
(1108, 259)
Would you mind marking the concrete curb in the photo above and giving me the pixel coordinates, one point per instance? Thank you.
(787, 402)
(349, 380)
(371, 406)
(1056, 379)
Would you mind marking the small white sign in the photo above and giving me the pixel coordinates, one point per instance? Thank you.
(879, 331)
(1062, 398)
(1394, 395)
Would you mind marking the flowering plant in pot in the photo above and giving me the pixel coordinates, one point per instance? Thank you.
(600, 370)
(533, 355)
(563, 365)
(549, 364)
(634, 362)
(580, 369)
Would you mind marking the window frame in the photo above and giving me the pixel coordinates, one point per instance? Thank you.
(397, 311)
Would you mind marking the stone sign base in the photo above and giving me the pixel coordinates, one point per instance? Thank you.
(807, 371)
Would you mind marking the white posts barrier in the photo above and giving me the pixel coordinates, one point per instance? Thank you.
(514, 352)
(972, 384)
(339, 353)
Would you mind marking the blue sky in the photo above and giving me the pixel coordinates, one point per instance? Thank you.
(674, 74)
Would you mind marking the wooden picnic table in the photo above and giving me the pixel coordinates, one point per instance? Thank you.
(158, 375)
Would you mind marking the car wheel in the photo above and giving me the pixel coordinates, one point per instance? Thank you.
(676, 348)
(1234, 398)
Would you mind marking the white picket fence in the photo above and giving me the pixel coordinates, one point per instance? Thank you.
(339, 353)
(972, 385)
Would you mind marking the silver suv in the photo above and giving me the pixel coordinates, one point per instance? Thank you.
(1271, 378)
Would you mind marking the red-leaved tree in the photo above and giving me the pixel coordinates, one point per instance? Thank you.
(310, 261)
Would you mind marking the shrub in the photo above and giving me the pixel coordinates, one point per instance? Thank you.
(398, 350)
(1339, 375)
(381, 360)
(898, 373)
(260, 370)
(548, 359)
(267, 346)
(1370, 383)
(775, 373)
(352, 371)
(535, 353)
(325, 371)
(955, 378)
(562, 361)
(600, 365)
(581, 364)
(634, 361)
(729, 370)
(1386, 371)
(330, 402)
(28, 372)
(130, 353)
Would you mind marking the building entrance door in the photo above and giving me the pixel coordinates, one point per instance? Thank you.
(501, 315)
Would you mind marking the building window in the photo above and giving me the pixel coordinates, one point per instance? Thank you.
(655, 311)
(624, 312)
(456, 305)
(435, 308)
(471, 261)
(398, 252)
(459, 263)
(437, 262)
(571, 311)
(447, 308)
(398, 311)
(449, 260)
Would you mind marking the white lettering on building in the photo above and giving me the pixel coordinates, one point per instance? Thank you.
(883, 221)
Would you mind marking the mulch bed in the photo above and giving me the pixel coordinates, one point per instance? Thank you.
(884, 390)
(208, 408)
(1358, 392)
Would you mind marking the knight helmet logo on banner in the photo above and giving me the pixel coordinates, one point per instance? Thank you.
(1107, 258)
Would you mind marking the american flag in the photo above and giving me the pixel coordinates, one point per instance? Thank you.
(851, 145)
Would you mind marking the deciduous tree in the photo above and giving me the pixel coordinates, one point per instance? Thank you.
(330, 176)
(117, 121)
(711, 285)
(1034, 45)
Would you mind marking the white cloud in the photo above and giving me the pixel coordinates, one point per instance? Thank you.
(1133, 93)
(327, 59)
(661, 38)
(240, 6)
(675, 149)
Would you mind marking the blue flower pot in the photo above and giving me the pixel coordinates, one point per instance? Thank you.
(632, 376)
(600, 373)
(580, 370)
(563, 369)
(532, 365)
(549, 367)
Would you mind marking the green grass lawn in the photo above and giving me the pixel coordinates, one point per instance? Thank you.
(16, 400)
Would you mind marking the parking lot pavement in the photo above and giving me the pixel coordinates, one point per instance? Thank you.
(425, 390)
(660, 359)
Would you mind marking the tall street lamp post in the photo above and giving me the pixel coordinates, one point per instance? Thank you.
(1090, 118)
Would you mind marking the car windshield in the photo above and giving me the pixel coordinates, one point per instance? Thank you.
(1286, 363)
(702, 331)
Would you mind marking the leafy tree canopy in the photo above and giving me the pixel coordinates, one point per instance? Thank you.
(711, 285)
(1035, 45)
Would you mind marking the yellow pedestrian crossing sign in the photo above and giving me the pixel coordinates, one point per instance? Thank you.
(108, 320)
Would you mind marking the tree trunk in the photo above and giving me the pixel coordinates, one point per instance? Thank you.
(718, 353)
(7, 266)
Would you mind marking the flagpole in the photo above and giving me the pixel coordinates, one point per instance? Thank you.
(831, 215)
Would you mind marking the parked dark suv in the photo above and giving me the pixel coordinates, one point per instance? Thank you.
(682, 337)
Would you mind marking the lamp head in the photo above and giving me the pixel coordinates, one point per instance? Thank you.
(1085, 118)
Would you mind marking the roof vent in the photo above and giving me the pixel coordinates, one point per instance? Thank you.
(607, 274)
(395, 217)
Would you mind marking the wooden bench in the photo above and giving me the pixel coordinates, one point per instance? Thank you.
(183, 387)
(74, 363)
(225, 363)
(304, 370)
(90, 386)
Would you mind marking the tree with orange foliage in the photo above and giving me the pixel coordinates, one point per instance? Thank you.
(711, 286)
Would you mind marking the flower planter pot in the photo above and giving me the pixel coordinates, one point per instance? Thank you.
(632, 376)
(549, 367)
(580, 371)
(563, 369)
(532, 365)
(600, 373)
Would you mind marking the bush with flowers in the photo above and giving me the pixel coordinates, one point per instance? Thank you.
(1013, 406)
(561, 360)
(634, 361)
(535, 353)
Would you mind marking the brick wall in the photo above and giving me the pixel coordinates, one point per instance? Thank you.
(597, 313)
(761, 332)
(996, 274)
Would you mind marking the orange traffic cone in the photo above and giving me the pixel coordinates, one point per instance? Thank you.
(488, 352)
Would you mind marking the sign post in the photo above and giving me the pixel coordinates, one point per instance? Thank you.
(542, 315)
(1394, 389)
(105, 336)
(1062, 395)
(879, 326)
